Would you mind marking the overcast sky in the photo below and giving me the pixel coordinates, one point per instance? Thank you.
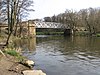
(44, 8)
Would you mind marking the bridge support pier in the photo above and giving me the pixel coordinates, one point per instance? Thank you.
(31, 29)
(67, 32)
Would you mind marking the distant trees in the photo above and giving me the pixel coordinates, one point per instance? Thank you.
(88, 18)
(50, 19)
(71, 19)
(47, 19)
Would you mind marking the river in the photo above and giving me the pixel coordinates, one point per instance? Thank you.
(58, 55)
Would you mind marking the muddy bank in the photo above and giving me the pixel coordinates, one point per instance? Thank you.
(10, 66)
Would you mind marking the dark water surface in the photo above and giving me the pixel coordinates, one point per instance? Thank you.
(58, 55)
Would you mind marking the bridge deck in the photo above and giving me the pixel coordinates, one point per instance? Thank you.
(40, 24)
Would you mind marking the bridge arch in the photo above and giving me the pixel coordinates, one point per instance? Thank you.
(67, 32)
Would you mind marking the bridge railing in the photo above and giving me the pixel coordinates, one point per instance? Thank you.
(40, 24)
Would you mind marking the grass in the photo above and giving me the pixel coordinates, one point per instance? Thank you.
(98, 35)
(86, 34)
(11, 52)
(49, 33)
(14, 53)
(81, 33)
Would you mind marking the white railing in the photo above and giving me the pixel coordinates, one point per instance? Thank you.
(40, 24)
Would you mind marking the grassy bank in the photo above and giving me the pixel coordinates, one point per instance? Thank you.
(13, 52)
(81, 33)
(98, 34)
(49, 33)
(84, 33)
(10, 63)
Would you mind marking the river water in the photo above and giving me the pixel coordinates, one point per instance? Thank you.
(58, 55)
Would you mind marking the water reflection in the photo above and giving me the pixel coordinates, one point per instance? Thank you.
(58, 55)
(26, 44)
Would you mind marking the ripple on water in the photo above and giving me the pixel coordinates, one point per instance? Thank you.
(67, 56)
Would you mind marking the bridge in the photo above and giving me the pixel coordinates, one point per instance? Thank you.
(33, 25)
(52, 26)
(41, 24)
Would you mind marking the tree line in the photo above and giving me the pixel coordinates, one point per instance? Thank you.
(13, 11)
(88, 18)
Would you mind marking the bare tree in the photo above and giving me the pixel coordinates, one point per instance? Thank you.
(16, 9)
(23, 7)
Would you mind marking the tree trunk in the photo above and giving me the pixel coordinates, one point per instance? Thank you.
(89, 27)
(8, 16)
(16, 27)
(7, 42)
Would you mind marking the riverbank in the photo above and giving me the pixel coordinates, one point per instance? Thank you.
(12, 64)
(49, 33)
